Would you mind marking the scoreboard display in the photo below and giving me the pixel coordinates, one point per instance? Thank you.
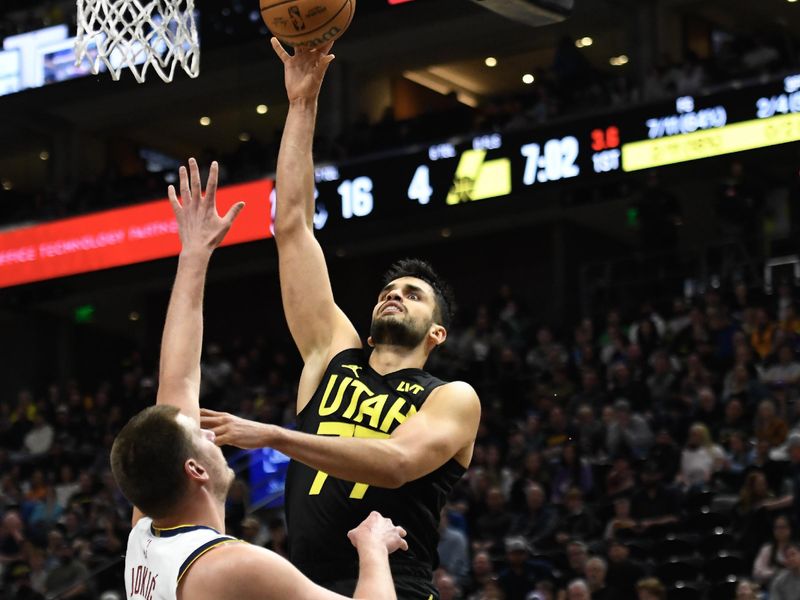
(435, 181)
(494, 166)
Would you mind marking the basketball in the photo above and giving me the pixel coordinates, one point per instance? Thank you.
(308, 23)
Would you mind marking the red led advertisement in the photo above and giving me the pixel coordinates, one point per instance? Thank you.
(120, 237)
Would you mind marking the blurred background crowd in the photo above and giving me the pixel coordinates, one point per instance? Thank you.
(630, 456)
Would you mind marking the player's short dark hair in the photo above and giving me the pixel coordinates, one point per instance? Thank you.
(414, 267)
(147, 460)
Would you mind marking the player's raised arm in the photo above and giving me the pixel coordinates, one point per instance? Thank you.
(317, 325)
(201, 230)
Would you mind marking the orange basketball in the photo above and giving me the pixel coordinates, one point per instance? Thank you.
(307, 22)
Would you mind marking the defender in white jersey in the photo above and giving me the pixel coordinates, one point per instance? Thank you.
(173, 472)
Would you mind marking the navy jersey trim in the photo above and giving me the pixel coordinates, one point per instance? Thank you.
(173, 531)
(201, 551)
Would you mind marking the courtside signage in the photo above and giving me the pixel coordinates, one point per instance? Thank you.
(120, 237)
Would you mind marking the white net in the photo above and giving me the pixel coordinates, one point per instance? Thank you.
(115, 34)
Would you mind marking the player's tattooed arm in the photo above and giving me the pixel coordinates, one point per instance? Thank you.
(444, 428)
(318, 326)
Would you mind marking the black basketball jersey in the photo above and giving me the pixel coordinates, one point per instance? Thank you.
(355, 401)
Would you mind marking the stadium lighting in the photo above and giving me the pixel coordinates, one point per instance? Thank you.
(205, 121)
(490, 61)
(584, 42)
(528, 79)
(44, 155)
(618, 61)
(262, 109)
(244, 137)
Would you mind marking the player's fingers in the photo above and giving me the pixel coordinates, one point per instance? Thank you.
(401, 532)
(279, 49)
(208, 411)
(186, 196)
(211, 184)
(194, 180)
(326, 48)
(233, 213)
(403, 545)
(173, 199)
(327, 59)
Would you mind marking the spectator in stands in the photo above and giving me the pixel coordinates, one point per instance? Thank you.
(538, 523)
(663, 382)
(453, 549)
(654, 504)
(576, 520)
(70, 577)
(620, 478)
(591, 432)
(622, 520)
(591, 393)
(628, 432)
(747, 590)
(572, 472)
(493, 526)
(786, 371)
(577, 553)
(700, 459)
(482, 573)
(772, 556)
(578, 589)
(519, 578)
(768, 425)
(623, 574)
(651, 589)
(623, 385)
(665, 454)
(447, 586)
(596, 572)
(12, 538)
(786, 585)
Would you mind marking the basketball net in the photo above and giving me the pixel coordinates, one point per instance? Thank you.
(138, 34)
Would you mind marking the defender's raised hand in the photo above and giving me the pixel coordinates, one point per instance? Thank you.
(304, 70)
(199, 225)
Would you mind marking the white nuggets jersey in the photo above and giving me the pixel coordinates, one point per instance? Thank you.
(157, 559)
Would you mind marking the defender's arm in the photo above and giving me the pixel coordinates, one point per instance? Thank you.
(201, 230)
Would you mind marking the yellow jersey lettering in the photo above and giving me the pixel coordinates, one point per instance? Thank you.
(371, 407)
(324, 409)
(335, 429)
(395, 414)
(360, 390)
(405, 386)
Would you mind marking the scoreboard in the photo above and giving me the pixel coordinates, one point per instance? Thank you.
(494, 166)
(435, 181)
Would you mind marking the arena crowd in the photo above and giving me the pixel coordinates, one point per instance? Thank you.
(635, 456)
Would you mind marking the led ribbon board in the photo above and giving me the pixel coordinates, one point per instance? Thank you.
(120, 237)
(749, 135)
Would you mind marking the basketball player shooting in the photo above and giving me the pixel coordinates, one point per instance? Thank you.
(172, 471)
(376, 431)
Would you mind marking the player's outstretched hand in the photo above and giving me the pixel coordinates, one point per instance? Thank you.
(376, 529)
(304, 70)
(230, 430)
(199, 225)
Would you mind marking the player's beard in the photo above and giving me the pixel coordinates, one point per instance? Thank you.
(394, 331)
(222, 477)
